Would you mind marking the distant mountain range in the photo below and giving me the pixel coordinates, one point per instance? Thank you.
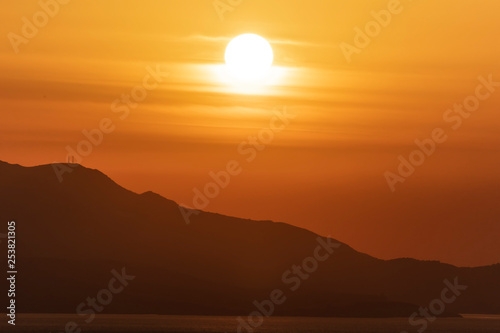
(71, 234)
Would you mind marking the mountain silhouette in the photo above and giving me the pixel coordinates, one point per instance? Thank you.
(71, 234)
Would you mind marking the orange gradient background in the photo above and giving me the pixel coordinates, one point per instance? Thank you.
(325, 171)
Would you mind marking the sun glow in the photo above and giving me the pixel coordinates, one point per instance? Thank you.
(249, 58)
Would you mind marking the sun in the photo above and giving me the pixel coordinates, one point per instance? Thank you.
(249, 58)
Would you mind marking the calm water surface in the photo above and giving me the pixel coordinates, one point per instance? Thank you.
(152, 323)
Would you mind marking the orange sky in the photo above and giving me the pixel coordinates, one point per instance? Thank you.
(325, 170)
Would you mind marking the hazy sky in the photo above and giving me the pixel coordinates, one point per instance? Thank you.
(325, 171)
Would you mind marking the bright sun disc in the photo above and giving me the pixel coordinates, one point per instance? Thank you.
(249, 58)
